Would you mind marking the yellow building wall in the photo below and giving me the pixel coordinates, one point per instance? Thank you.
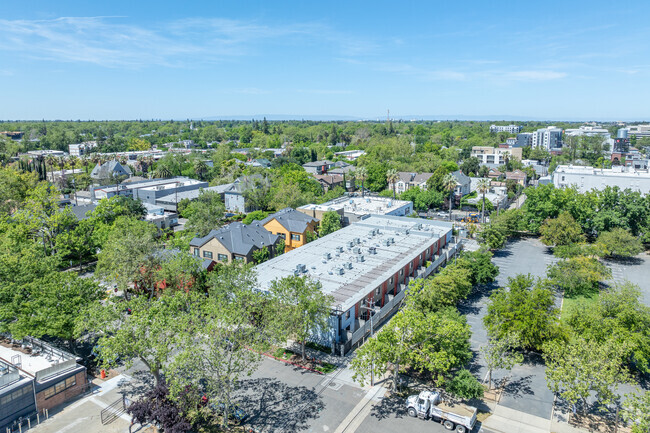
(277, 229)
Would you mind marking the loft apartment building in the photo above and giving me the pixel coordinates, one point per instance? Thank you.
(366, 267)
(35, 376)
(353, 209)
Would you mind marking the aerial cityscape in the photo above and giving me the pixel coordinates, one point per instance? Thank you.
(347, 217)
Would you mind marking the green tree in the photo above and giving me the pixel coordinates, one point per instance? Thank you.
(329, 223)
(204, 214)
(482, 188)
(14, 189)
(526, 309)
(493, 236)
(391, 178)
(434, 342)
(150, 330)
(361, 174)
(444, 289)
(578, 275)
(128, 255)
(305, 308)
(580, 367)
(479, 263)
(465, 385)
(449, 184)
(470, 165)
(563, 230)
(500, 353)
(179, 271)
(257, 215)
(261, 255)
(636, 411)
(619, 242)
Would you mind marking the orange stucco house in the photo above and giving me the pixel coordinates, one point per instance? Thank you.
(292, 226)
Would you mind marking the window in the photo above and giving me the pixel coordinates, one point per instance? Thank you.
(391, 280)
(59, 387)
(282, 235)
(239, 258)
(401, 272)
(197, 252)
(295, 237)
(70, 382)
(420, 256)
(207, 254)
(222, 257)
(377, 290)
(347, 314)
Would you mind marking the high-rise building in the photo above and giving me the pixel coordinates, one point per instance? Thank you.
(547, 138)
(524, 139)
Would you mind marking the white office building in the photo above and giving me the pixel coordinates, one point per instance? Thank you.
(588, 178)
(513, 129)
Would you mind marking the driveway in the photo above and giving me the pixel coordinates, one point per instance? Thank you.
(526, 389)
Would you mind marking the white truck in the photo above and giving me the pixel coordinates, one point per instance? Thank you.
(453, 416)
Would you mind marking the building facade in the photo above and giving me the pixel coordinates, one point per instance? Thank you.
(495, 155)
(524, 139)
(292, 226)
(547, 138)
(234, 242)
(409, 180)
(366, 267)
(586, 178)
(513, 129)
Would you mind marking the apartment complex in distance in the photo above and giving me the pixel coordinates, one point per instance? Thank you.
(495, 155)
(513, 129)
(547, 138)
(366, 267)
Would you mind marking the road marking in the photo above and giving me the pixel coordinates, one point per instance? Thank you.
(360, 411)
(72, 424)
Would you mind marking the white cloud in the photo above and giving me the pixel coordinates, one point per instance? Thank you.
(534, 75)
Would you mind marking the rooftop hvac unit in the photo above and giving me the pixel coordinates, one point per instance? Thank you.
(408, 231)
(327, 256)
(420, 226)
(340, 271)
(350, 244)
(357, 240)
(385, 242)
(360, 259)
(392, 240)
(348, 265)
(356, 250)
(339, 249)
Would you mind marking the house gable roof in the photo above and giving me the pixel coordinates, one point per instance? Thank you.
(239, 238)
(290, 219)
(108, 169)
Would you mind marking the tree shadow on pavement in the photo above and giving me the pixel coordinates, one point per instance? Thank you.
(472, 304)
(516, 388)
(275, 406)
(392, 405)
(142, 381)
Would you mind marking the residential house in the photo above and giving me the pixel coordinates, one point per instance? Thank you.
(463, 184)
(518, 176)
(318, 167)
(234, 242)
(234, 196)
(494, 173)
(495, 155)
(292, 226)
(350, 155)
(410, 180)
(110, 170)
(329, 181)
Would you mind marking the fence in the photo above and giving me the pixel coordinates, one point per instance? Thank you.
(114, 410)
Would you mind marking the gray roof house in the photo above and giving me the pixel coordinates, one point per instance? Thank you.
(291, 219)
(463, 183)
(318, 167)
(110, 170)
(234, 195)
(236, 241)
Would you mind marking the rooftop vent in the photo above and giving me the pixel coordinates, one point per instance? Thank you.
(356, 250)
(327, 256)
(391, 240)
(350, 244)
(348, 265)
(340, 271)
(339, 249)
(360, 258)
(357, 240)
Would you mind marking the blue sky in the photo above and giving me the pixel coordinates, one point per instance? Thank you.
(197, 59)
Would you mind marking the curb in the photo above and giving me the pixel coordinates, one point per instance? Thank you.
(294, 364)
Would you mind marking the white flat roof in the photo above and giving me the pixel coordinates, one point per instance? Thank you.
(31, 364)
(606, 172)
(355, 283)
(360, 205)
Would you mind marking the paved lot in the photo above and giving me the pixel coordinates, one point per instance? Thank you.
(526, 390)
(281, 397)
(636, 270)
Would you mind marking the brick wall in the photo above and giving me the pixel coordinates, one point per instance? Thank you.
(57, 399)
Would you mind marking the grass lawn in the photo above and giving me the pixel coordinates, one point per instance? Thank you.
(590, 299)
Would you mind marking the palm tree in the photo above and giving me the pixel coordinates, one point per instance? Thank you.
(200, 167)
(483, 187)
(162, 172)
(392, 177)
(449, 183)
(51, 161)
(73, 162)
(362, 174)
